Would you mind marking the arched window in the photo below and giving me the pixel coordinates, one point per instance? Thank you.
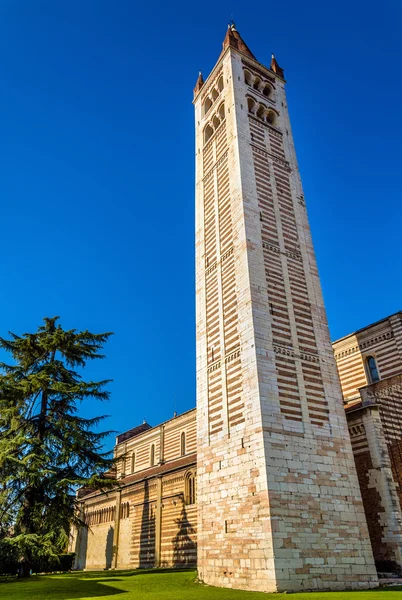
(208, 132)
(257, 83)
(183, 443)
(220, 83)
(152, 455)
(261, 111)
(190, 488)
(215, 94)
(216, 121)
(372, 369)
(207, 105)
(267, 90)
(271, 117)
(247, 77)
(221, 111)
(133, 462)
(250, 104)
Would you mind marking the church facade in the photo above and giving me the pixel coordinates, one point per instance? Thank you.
(259, 485)
(369, 363)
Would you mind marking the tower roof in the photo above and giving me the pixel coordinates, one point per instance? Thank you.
(199, 83)
(276, 68)
(234, 39)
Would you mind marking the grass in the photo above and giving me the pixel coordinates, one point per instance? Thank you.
(153, 585)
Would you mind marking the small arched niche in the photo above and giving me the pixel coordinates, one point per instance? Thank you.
(220, 83)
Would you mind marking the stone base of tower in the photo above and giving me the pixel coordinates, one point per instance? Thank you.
(285, 517)
(260, 580)
(256, 573)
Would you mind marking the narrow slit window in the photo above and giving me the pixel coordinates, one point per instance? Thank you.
(372, 369)
(152, 455)
(183, 443)
(190, 489)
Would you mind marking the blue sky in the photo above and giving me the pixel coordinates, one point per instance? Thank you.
(97, 170)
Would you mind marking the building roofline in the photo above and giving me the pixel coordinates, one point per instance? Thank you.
(361, 407)
(152, 427)
(366, 327)
(182, 462)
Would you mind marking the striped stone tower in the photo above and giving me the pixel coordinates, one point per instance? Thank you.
(279, 501)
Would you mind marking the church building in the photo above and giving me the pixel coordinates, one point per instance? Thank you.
(259, 485)
(369, 363)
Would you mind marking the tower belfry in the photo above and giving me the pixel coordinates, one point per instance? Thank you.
(279, 501)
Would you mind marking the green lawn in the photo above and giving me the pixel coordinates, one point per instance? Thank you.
(147, 585)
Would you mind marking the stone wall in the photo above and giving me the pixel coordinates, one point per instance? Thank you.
(151, 519)
(374, 413)
(377, 485)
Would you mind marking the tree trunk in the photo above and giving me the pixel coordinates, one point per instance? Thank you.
(24, 569)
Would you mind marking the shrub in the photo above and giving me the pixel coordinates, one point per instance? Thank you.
(50, 564)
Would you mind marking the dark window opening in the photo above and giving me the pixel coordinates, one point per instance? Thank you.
(372, 369)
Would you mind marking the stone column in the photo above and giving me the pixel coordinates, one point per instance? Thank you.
(158, 522)
(162, 445)
(380, 477)
(116, 530)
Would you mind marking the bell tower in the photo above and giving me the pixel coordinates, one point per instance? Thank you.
(279, 500)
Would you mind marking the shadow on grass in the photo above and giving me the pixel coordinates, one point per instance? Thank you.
(62, 587)
(131, 573)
